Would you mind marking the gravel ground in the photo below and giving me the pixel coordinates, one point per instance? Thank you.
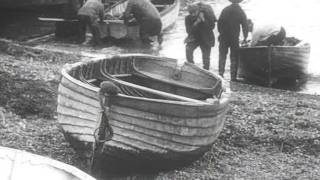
(268, 134)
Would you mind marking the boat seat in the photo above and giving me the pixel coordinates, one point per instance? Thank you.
(160, 5)
(172, 81)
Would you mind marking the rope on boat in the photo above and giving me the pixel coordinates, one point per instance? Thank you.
(104, 131)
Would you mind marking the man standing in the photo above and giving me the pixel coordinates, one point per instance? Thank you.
(90, 14)
(229, 28)
(199, 25)
(148, 18)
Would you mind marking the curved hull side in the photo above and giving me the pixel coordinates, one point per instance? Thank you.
(18, 164)
(290, 62)
(253, 64)
(143, 135)
(270, 64)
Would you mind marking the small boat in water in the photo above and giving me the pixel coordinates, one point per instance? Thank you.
(169, 11)
(269, 64)
(20, 165)
(165, 115)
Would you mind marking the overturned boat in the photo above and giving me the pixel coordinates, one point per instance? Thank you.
(269, 64)
(18, 165)
(164, 115)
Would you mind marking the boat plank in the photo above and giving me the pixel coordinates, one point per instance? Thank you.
(74, 112)
(134, 116)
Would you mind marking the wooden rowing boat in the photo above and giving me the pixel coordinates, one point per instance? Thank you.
(17, 165)
(164, 116)
(169, 11)
(271, 64)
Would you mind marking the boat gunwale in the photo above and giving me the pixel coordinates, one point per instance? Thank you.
(164, 12)
(305, 46)
(68, 67)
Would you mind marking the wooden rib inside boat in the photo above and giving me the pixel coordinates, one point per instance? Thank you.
(162, 117)
(20, 165)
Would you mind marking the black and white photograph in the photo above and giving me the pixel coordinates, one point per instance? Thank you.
(159, 90)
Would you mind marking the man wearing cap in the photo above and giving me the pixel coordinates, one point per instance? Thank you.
(148, 18)
(199, 26)
(230, 20)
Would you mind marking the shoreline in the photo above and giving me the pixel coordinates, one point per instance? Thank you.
(268, 134)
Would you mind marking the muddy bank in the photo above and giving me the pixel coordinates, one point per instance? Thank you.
(268, 134)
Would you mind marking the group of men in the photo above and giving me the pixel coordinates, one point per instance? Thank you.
(199, 24)
(91, 13)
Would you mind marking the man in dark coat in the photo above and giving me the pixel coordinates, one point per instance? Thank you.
(229, 28)
(148, 18)
(89, 15)
(199, 26)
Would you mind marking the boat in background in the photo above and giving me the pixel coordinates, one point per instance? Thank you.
(165, 115)
(17, 165)
(169, 11)
(269, 64)
(30, 3)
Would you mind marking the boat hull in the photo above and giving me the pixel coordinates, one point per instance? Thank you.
(271, 64)
(17, 164)
(148, 131)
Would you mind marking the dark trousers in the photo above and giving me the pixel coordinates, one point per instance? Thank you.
(84, 22)
(205, 50)
(150, 27)
(224, 46)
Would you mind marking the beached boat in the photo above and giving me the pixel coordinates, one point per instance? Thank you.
(19, 165)
(165, 115)
(271, 64)
(169, 11)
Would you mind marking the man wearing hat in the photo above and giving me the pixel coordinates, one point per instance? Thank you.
(199, 25)
(230, 20)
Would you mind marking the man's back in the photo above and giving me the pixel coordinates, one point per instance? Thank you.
(230, 20)
(92, 8)
(142, 9)
(209, 14)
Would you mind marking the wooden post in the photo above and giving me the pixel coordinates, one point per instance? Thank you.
(269, 66)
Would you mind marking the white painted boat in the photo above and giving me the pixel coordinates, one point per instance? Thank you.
(21, 165)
